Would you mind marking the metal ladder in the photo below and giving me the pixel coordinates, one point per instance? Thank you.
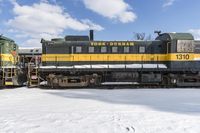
(8, 74)
(33, 78)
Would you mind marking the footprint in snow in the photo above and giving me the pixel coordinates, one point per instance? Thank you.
(130, 129)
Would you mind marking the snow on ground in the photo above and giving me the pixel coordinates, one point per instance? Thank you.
(25, 110)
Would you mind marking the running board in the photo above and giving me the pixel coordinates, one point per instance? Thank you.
(120, 83)
(188, 84)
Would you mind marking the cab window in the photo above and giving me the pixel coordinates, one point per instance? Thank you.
(185, 46)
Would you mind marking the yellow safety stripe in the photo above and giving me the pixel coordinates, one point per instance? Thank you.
(9, 83)
(7, 57)
(121, 57)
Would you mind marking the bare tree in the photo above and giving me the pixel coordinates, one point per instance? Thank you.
(142, 36)
(139, 36)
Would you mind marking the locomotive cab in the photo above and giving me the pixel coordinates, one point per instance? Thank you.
(180, 50)
(183, 59)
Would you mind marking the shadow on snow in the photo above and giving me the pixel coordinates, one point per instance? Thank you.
(185, 101)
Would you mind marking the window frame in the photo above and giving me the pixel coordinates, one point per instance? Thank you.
(105, 48)
(126, 49)
(80, 50)
(142, 49)
(89, 50)
(115, 49)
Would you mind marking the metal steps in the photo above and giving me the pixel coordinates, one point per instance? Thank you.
(8, 74)
(33, 78)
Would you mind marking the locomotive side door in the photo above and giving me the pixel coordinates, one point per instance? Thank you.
(153, 50)
(166, 50)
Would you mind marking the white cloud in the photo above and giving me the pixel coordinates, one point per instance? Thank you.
(196, 33)
(168, 3)
(44, 20)
(112, 9)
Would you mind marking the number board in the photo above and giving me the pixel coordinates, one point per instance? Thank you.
(183, 57)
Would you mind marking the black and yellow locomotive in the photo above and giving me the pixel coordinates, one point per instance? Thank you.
(11, 74)
(172, 59)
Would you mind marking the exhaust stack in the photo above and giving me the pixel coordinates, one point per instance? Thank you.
(91, 35)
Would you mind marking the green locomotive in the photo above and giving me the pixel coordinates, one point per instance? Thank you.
(10, 73)
(172, 59)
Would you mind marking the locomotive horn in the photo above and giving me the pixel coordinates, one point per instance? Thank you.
(157, 32)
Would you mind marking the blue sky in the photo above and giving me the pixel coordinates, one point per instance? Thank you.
(27, 21)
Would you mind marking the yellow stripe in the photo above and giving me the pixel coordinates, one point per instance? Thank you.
(121, 57)
(8, 83)
(7, 57)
